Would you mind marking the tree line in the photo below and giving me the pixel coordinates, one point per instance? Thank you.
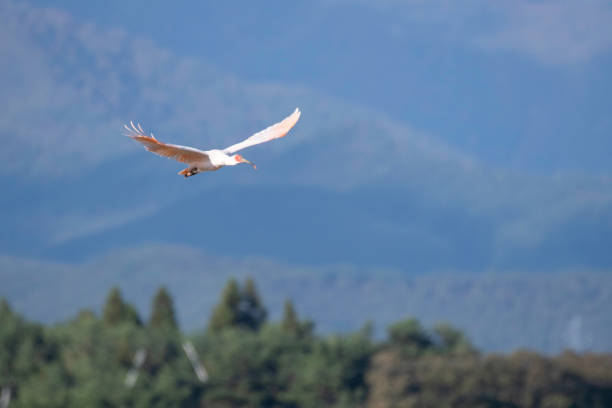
(250, 361)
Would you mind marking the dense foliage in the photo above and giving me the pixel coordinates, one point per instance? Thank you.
(254, 363)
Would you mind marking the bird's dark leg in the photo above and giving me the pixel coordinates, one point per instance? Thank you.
(188, 172)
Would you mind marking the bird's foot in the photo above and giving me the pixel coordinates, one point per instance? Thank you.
(189, 172)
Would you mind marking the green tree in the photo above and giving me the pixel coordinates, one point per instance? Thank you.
(332, 372)
(409, 336)
(290, 322)
(10, 337)
(85, 315)
(225, 314)
(5, 309)
(252, 313)
(131, 315)
(238, 308)
(45, 388)
(116, 311)
(114, 307)
(162, 311)
(91, 353)
(451, 340)
(25, 350)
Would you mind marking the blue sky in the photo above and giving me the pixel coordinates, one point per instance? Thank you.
(495, 112)
(522, 85)
(491, 116)
(435, 137)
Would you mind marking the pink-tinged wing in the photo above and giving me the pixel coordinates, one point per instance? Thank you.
(275, 131)
(183, 154)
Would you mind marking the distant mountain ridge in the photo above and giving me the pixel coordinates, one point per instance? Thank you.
(349, 186)
(367, 181)
(499, 312)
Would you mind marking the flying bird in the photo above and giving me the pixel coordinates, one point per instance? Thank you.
(199, 161)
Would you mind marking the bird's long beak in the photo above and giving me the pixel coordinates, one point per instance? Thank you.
(251, 163)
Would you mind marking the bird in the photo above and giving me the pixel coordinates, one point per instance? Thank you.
(199, 161)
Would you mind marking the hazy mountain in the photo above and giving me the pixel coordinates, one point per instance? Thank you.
(417, 192)
(520, 86)
(349, 185)
(498, 311)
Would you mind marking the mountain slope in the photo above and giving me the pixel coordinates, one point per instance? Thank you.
(346, 182)
(499, 312)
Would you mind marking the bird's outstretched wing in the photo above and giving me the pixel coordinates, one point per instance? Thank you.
(275, 131)
(183, 154)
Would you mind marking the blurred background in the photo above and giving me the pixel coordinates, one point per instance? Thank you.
(452, 162)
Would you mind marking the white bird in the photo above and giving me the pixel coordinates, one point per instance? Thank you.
(199, 161)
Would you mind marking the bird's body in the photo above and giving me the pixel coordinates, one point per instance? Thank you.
(199, 161)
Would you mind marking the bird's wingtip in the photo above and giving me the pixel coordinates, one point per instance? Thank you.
(129, 132)
(134, 130)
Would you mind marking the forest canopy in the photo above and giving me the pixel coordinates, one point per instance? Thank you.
(119, 359)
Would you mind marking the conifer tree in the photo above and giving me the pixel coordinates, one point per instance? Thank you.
(225, 314)
(131, 315)
(162, 311)
(114, 309)
(252, 312)
(238, 308)
(5, 309)
(290, 322)
(117, 311)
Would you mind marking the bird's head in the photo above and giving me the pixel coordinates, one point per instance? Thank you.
(240, 159)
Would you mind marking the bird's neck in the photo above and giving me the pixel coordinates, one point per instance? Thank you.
(230, 161)
(218, 158)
